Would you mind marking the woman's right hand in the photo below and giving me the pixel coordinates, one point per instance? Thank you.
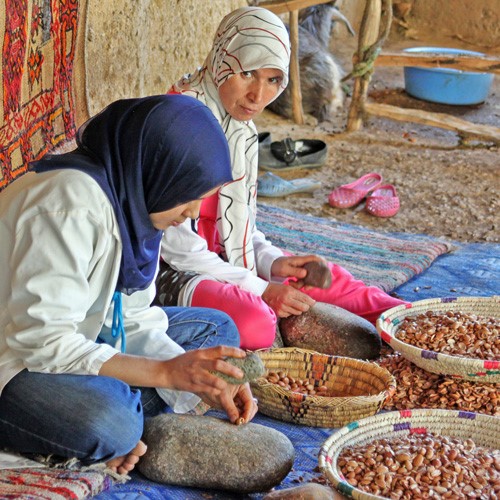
(192, 372)
(286, 300)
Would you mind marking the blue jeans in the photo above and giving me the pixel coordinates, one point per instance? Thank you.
(96, 418)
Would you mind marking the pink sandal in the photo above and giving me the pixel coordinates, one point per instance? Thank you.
(348, 195)
(383, 202)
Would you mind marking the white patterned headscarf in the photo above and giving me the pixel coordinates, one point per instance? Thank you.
(247, 39)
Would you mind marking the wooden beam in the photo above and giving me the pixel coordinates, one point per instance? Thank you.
(442, 120)
(481, 64)
(290, 5)
(296, 93)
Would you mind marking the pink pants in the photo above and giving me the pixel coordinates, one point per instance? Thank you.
(256, 321)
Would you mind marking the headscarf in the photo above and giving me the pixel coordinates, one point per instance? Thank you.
(148, 155)
(247, 39)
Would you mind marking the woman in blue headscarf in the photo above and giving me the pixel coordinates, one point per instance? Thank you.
(80, 240)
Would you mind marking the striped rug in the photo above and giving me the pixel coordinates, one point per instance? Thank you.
(386, 260)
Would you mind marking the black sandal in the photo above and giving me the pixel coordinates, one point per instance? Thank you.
(289, 154)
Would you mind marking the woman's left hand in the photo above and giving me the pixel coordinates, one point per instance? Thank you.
(237, 401)
(293, 267)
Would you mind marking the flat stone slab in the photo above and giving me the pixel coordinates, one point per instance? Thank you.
(208, 452)
(308, 491)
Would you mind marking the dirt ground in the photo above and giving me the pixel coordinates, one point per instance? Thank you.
(446, 188)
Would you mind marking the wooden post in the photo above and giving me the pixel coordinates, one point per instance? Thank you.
(296, 93)
(369, 30)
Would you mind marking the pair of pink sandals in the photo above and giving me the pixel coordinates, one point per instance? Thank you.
(381, 200)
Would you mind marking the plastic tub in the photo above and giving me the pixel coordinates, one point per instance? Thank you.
(445, 85)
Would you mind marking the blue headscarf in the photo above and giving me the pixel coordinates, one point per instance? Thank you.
(148, 155)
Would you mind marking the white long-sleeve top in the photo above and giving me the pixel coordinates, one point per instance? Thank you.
(185, 250)
(60, 253)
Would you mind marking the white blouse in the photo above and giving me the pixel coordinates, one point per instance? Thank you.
(60, 256)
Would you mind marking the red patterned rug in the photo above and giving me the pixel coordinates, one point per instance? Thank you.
(37, 108)
(52, 484)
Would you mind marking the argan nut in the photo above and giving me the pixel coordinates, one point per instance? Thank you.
(318, 275)
(251, 366)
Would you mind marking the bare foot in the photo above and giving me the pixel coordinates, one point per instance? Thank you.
(126, 463)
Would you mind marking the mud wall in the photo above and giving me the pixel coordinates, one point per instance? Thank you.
(472, 22)
(140, 47)
(135, 48)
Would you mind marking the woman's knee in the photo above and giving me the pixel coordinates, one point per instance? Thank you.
(257, 326)
(113, 423)
(229, 330)
(255, 320)
(93, 418)
(201, 326)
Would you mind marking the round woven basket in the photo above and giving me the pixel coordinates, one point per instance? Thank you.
(482, 429)
(474, 369)
(364, 387)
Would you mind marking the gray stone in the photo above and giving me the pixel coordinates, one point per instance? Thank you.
(332, 330)
(208, 452)
(251, 365)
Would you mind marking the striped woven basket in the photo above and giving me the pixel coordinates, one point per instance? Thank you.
(364, 387)
(482, 429)
(474, 369)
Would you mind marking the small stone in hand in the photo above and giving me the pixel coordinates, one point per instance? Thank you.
(318, 275)
(252, 367)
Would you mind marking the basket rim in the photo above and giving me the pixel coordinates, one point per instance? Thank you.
(387, 378)
(390, 319)
(400, 422)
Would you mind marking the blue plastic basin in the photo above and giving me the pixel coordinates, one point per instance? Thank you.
(445, 85)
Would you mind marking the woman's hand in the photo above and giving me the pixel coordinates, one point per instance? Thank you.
(236, 401)
(286, 300)
(293, 267)
(192, 372)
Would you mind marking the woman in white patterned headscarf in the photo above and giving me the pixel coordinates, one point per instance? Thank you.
(247, 41)
(227, 263)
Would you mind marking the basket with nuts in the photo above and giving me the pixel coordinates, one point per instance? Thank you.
(456, 336)
(416, 454)
(309, 388)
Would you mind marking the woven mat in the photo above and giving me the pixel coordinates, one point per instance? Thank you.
(471, 270)
(386, 260)
(41, 73)
(52, 484)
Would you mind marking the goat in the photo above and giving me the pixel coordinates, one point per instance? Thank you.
(320, 73)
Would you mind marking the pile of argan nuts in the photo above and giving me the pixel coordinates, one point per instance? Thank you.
(453, 333)
(418, 388)
(303, 386)
(422, 466)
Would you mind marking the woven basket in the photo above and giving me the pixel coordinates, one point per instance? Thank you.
(482, 429)
(365, 385)
(474, 369)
